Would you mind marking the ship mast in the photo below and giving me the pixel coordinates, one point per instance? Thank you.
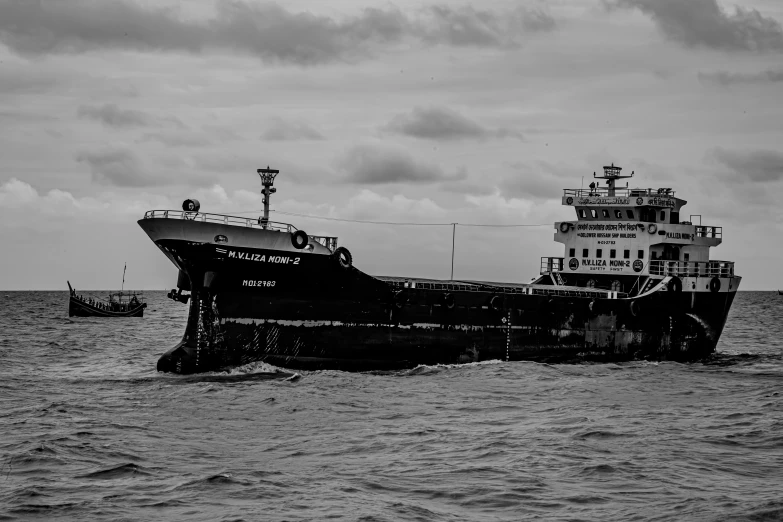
(267, 180)
(611, 174)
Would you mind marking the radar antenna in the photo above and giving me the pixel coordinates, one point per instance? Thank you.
(267, 180)
(612, 174)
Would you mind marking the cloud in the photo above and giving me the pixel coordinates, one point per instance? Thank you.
(178, 138)
(758, 166)
(377, 164)
(440, 123)
(539, 180)
(286, 130)
(702, 23)
(118, 167)
(16, 83)
(726, 78)
(469, 27)
(112, 116)
(263, 29)
(369, 205)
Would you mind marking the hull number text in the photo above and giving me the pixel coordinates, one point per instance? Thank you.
(251, 282)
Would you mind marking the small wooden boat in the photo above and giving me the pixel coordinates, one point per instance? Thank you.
(118, 304)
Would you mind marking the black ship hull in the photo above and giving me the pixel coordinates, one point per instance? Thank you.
(310, 311)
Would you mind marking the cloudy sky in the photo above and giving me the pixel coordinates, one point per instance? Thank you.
(403, 111)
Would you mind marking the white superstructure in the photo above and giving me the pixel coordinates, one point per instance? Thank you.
(626, 237)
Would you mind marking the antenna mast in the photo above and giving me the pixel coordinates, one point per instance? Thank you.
(267, 180)
(612, 174)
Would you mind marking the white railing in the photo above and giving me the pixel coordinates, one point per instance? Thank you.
(326, 241)
(219, 218)
(692, 268)
(618, 192)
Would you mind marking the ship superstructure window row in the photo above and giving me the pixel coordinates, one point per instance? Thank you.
(609, 214)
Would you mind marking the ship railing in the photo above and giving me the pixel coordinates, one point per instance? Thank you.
(221, 219)
(663, 267)
(329, 242)
(517, 289)
(618, 192)
(712, 232)
(551, 264)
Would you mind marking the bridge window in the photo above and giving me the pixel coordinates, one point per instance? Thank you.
(612, 253)
(584, 252)
(640, 254)
(626, 254)
(629, 212)
(618, 214)
(593, 213)
(605, 213)
(599, 252)
(582, 213)
(663, 216)
(572, 252)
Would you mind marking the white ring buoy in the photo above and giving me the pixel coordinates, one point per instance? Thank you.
(652, 228)
(564, 227)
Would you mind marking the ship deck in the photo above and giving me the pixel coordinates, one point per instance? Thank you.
(504, 288)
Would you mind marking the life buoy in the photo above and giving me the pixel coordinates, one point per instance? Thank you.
(564, 227)
(191, 205)
(448, 300)
(496, 303)
(714, 284)
(675, 285)
(652, 228)
(343, 256)
(299, 239)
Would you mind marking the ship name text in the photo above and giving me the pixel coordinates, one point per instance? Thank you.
(263, 258)
(614, 265)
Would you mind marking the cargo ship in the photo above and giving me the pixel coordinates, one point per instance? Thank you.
(635, 281)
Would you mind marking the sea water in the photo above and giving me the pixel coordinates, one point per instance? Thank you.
(90, 431)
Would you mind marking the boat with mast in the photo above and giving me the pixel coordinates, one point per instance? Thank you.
(124, 303)
(635, 281)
